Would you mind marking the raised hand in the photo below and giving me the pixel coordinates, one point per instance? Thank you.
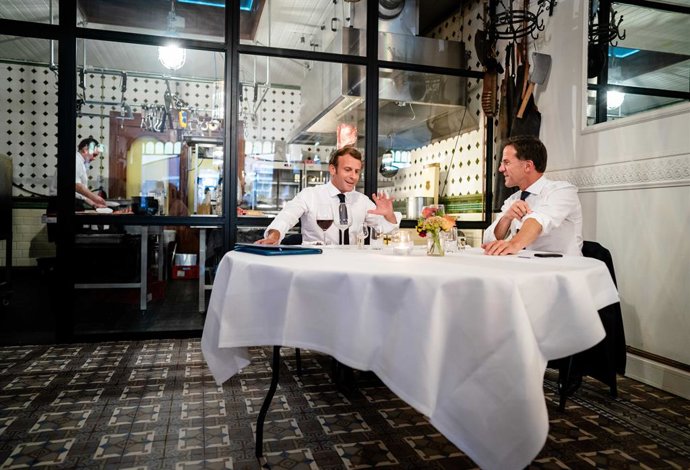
(384, 206)
(518, 210)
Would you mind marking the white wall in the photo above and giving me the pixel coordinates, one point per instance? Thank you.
(634, 181)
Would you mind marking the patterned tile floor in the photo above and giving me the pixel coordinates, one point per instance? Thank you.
(154, 405)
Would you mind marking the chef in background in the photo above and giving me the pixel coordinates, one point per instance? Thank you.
(87, 151)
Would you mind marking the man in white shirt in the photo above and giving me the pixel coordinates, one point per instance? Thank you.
(544, 216)
(87, 151)
(345, 167)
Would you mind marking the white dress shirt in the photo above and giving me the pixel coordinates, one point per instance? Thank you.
(309, 201)
(556, 207)
(80, 176)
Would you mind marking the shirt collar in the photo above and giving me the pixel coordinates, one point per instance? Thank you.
(333, 191)
(537, 186)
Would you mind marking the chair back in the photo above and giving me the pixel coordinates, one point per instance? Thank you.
(597, 251)
(292, 239)
(611, 315)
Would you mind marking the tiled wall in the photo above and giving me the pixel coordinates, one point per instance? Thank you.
(28, 124)
(463, 155)
(29, 238)
(276, 117)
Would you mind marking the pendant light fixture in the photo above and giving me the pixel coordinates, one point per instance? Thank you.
(172, 56)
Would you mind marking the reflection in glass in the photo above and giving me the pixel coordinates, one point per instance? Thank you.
(649, 56)
(292, 115)
(189, 19)
(28, 108)
(431, 147)
(36, 12)
(131, 269)
(163, 137)
(321, 26)
(410, 31)
(28, 132)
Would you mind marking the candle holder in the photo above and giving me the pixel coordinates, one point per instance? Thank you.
(404, 244)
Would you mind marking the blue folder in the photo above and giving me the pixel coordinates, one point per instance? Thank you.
(277, 250)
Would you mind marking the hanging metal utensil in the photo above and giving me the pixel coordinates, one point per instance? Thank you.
(481, 46)
(538, 75)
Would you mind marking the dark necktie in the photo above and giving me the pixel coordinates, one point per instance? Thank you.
(342, 212)
(523, 195)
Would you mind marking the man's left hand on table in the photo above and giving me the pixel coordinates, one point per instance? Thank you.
(500, 248)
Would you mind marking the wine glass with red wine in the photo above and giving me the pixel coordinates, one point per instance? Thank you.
(324, 219)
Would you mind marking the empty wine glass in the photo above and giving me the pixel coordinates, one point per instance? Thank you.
(342, 218)
(362, 234)
(324, 219)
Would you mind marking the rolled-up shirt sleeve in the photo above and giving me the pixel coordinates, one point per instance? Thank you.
(554, 211)
(489, 235)
(289, 215)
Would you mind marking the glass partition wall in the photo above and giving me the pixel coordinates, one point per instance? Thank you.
(160, 134)
(28, 106)
(209, 117)
(432, 139)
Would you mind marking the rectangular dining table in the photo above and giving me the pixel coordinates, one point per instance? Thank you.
(463, 338)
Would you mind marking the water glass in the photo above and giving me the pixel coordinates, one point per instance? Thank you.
(450, 240)
(376, 240)
(462, 242)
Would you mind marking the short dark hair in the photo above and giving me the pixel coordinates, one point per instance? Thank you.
(347, 150)
(86, 142)
(528, 147)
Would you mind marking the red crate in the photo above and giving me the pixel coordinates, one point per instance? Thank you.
(185, 272)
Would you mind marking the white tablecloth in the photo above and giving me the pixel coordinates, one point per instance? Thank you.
(464, 338)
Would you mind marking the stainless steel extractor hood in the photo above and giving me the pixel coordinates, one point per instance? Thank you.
(414, 108)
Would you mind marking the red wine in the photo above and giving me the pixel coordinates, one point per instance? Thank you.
(324, 224)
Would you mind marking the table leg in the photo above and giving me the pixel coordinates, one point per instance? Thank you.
(298, 361)
(161, 254)
(202, 270)
(259, 450)
(143, 269)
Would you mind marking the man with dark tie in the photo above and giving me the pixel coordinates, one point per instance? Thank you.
(544, 215)
(345, 167)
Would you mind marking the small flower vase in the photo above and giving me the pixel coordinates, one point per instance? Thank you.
(434, 244)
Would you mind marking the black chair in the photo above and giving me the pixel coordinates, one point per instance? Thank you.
(292, 239)
(604, 360)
